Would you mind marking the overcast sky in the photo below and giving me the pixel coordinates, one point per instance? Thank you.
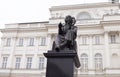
(18, 11)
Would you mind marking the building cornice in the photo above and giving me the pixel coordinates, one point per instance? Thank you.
(43, 22)
(83, 6)
(110, 22)
(22, 29)
(90, 27)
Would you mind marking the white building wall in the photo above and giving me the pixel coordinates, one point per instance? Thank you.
(104, 22)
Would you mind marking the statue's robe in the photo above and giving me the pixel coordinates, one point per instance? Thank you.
(65, 39)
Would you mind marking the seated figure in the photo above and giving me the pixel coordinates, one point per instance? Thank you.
(67, 33)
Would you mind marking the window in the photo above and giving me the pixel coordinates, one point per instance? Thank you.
(97, 40)
(29, 63)
(84, 40)
(113, 39)
(43, 41)
(84, 63)
(98, 62)
(4, 62)
(21, 42)
(83, 16)
(41, 63)
(114, 60)
(17, 64)
(8, 41)
(31, 43)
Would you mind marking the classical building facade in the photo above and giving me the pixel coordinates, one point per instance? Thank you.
(98, 41)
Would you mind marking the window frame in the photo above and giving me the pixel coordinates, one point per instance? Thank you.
(97, 40)
(31, 42)
(43, 41)
(4, 62)
(84, 61)
(84, 40)
(29, 63)
(8, 41)
(113, 39)
(41, 63)
(17, 62)
(21, 40)
(98, 62)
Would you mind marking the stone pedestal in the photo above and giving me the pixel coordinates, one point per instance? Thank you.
(61, 64)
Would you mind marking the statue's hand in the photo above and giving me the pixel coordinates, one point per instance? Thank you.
(60, 31)
(60, 25)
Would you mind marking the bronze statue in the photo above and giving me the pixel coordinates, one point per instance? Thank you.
(67, 33)
(63, 57)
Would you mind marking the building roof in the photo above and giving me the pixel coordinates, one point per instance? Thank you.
(27, 23)
(83, 6)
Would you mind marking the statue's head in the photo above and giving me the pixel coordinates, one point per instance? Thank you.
(68, 19)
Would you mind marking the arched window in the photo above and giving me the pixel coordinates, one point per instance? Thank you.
(114, 61)
(83, 16)
(84, 62)
(98, 62)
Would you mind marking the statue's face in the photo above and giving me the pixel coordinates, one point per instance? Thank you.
(74, 21)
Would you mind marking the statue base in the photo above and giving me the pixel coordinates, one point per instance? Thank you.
(61, 64)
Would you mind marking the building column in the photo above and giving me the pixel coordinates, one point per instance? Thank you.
(35, 57)
(12, 51)
(23, 59)
(91, 56)
(49, 42)
(23, 62)
(35, 62)
(107, 52)
(11, 60)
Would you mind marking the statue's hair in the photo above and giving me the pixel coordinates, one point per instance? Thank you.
(68, 18)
